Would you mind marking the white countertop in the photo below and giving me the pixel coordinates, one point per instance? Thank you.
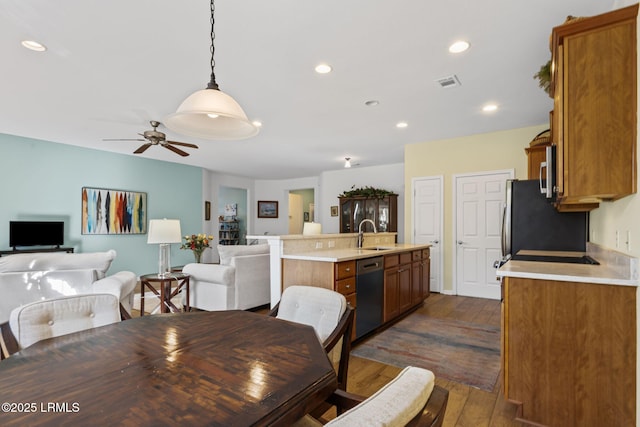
(347, 254)
(605, 273)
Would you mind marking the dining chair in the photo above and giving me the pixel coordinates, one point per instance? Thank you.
(328, 313)
(50, 318)
(410, 399)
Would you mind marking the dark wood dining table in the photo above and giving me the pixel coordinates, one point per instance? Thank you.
(224, 368)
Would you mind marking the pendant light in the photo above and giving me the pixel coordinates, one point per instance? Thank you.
(210, 113)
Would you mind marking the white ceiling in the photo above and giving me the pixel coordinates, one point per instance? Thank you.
(111, 66)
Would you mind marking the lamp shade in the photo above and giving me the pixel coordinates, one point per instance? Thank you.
(211, 114)
(164, 231)
(311, 228)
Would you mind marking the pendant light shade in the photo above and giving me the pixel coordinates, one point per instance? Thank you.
(210, 113)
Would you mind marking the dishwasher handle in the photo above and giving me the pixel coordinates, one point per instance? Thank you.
(368, 265)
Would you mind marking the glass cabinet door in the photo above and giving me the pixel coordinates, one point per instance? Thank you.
(371, 212)
(358, 214)
(383, 215)
(345, 216)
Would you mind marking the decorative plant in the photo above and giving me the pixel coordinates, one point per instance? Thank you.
(197, 243)
(544, 77)
(367, 192)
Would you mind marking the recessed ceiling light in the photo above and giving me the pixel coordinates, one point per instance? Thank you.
(347, 162)
(489, 108)
(372, 103)
(402, 125)
(257, 123)
(323, 69)
(33, 45)
(459, 46)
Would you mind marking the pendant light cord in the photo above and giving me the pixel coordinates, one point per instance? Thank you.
(212, 84)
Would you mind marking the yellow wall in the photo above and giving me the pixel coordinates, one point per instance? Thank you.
(477, 153)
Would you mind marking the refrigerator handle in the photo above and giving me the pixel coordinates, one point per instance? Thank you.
(543, 165)
(503, 242)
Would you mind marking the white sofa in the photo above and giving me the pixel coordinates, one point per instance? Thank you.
(25, 278)
(241, 281)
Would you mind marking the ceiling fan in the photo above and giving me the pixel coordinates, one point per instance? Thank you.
(155, 137)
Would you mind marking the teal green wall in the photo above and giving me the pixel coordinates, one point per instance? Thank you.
(43, 181)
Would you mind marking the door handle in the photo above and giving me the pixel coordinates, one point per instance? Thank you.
(460, 242)
(435, 242)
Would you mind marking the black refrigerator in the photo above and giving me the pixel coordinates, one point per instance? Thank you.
(532, 222)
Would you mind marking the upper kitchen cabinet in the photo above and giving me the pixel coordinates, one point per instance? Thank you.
(383, 211)
(594, 119)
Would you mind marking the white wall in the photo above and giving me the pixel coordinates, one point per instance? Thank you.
(278, 190)
(333, 183)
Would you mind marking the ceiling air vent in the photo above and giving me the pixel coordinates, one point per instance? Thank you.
(449, 81)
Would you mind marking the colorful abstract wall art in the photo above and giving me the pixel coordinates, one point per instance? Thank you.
(113, 211)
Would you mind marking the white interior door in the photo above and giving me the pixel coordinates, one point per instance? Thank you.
(295, 214)
(427, 223)
(479, 199)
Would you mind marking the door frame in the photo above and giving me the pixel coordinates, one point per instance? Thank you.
(440, 284)
(454, 215)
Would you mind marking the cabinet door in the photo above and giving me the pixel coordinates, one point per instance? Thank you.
(370, 212)
(595, 98)
(416, 282)
(425, 275)
(346, 223)
(391, 289)
(405, 287)
(383, 215)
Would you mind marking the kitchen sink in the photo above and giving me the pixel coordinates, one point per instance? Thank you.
(377, 248)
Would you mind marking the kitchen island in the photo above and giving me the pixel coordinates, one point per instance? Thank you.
(382, 280)
(569, 339)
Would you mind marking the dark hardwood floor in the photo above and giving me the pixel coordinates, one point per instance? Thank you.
(468, 406)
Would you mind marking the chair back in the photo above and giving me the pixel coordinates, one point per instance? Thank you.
(402, 402)
(40, 320)
(317, 307)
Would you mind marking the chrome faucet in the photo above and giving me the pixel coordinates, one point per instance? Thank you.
(361, 234)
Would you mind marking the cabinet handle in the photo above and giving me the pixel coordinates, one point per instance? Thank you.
(347, 269)
(348, 286)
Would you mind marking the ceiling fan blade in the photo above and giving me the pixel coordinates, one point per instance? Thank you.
(175, 150)
(120, 139)
(184, 144)
(142, 148)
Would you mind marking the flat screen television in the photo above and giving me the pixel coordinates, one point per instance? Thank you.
(36, 233)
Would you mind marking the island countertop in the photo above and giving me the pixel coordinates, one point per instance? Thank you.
(347, 254)
(611, 270)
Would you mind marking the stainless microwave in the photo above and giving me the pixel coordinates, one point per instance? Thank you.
(547, 175)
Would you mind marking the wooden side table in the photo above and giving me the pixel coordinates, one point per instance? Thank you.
(163, 290)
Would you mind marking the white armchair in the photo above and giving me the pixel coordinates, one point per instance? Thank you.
(241, 281)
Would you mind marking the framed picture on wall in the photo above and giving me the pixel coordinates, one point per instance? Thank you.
(207, 210)
(334, 211)
(267, 209)
(107, 211)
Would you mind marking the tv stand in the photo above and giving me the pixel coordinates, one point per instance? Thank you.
(33, 251)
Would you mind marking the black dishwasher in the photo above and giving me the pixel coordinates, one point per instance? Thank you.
(369, 295)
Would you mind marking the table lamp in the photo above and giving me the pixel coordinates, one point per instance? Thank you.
(311, 228)
(164, 232)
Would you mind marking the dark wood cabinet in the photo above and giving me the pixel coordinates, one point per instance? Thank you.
(382, 211)
(398, 284)
(594, 122)
(420, 276)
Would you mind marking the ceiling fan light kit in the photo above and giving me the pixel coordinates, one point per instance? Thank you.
(210, 113)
